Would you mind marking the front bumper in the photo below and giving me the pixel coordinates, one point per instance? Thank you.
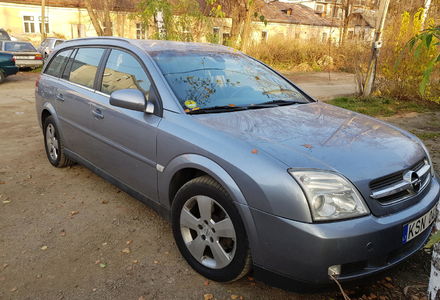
(362, 246)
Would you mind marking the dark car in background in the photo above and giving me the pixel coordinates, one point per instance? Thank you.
(4, 36)
(7, 66)
(48, 45)
(25, 54)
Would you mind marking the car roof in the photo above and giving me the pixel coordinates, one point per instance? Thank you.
(157, 45)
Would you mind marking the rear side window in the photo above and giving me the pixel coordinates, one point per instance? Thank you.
(85, 65)
(57, 64)
(123, 71)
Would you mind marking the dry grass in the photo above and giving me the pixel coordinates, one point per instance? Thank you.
(306, 56)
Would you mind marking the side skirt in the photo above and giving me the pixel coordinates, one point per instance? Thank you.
(162, 211)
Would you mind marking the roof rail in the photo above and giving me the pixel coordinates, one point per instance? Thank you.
(99, 38)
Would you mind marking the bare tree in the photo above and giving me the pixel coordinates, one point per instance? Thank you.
(99, 13)
(347, 8)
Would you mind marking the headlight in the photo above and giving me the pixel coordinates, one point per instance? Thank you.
(429, 158)
(330, 196)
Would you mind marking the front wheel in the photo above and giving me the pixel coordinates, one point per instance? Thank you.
(209, 231)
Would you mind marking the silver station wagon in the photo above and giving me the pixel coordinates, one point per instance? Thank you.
(253, 173)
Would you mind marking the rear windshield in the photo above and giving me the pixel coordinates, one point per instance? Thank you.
(19, 47)
(217, 79)
(58, 42)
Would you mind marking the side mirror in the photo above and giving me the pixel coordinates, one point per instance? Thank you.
(131, 99)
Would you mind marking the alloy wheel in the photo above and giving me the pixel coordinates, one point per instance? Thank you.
(208, 232)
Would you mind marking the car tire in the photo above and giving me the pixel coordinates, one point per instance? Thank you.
(54, 145)
(209, 231)
(2, 76)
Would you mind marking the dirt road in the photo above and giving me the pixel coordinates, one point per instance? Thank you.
(68, 234)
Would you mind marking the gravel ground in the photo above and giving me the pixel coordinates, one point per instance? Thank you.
(68, 234)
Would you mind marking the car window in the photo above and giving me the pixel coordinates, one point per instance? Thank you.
(57, 64)
(66, 71)
(123, 71)
(58, 42)
(4, 35)
(19, 47)
(209, 79)
(85, 65)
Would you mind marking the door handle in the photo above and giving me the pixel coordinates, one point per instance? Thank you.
(97, 113)
(59, 97)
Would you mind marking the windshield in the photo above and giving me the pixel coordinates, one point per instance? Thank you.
(202, 80)
(19, 47)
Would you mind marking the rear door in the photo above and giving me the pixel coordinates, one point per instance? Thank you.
(125, 140)
(74, 94)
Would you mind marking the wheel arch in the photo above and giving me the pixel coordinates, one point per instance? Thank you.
(49, 110)
(189, 166)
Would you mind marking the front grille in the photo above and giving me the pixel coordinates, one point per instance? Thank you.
(395, 177)
(394, 187)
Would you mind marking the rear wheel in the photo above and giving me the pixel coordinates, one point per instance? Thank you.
(209, 231)
(2, 76)
(54, 145)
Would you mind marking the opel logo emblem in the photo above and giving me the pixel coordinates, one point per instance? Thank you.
(414, 181)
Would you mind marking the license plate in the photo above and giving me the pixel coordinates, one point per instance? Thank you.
(416, 227)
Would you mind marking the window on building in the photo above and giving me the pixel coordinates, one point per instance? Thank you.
(140, 31)
(263, 36)
(324, 37)
(29, 24)
(123, 71)
(297, 35)
(216, 34)
(350, 35)
(78, 30)
(226, 37)
(46, 24)
(320, 8)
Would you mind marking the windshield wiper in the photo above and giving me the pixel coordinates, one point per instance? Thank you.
(216, 109)
(274, 103)
(283, 102)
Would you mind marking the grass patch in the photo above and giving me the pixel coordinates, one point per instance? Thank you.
(384, 107)
(427, 135)
(36, 70)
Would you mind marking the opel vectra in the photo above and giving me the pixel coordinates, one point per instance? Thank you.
(251, 171)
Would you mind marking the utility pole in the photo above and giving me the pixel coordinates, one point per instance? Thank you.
(377, 44)
(43, 20)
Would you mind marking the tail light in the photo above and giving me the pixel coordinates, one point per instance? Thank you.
(13, 59)
(38, 57)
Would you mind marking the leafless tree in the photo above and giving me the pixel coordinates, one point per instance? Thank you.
(99, 13)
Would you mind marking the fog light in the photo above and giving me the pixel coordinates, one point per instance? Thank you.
(334, 270)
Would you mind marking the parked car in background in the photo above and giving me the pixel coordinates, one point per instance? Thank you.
(251, 171)
(25, 54)
(4, 36)
(7, 66)
(48, 45)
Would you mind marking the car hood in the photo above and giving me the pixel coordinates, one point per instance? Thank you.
(323, 136)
